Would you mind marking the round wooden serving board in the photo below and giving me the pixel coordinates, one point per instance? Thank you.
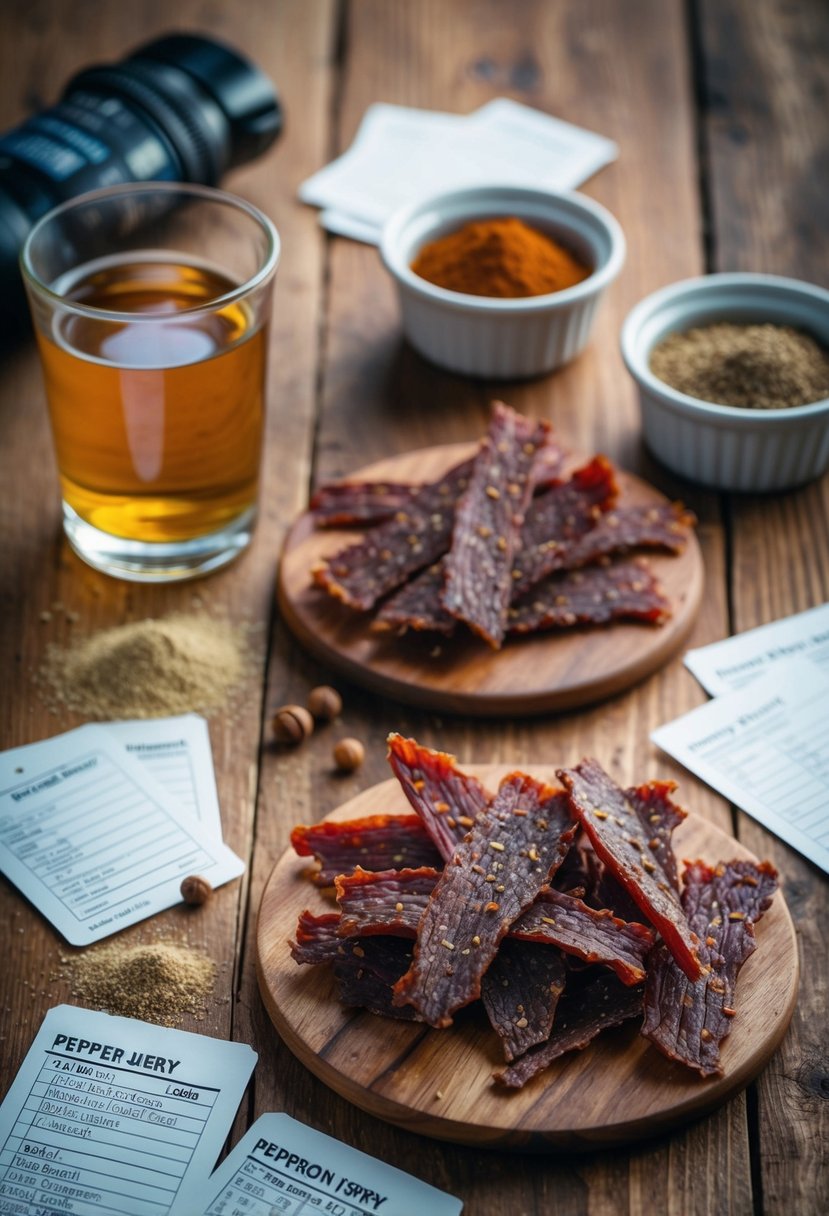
(439, 1082)
(534, 674)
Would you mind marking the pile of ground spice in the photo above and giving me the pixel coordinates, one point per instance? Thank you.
(156, 983)
(149, 669)
(760, 367)
(500, 258)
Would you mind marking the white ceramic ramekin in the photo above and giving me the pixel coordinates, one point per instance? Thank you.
(719, 445)
(498, 338)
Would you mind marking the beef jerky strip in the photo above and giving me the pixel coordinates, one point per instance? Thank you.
(416, 535)
(488, 523)
(584, 1011)
(447, 800)
(393, 903)
(520, 992)
(366, 972)
(375, 842)
(622, 839)
(660, 526)
(418, 605)
(388, 902)
(594, 596)
(595, 936)
(496, 872)
(359, 502)
(688, 1020)
(556, 519)
(317, 938)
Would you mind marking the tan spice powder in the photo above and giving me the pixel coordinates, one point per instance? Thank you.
(156, 983)
(149, 669)
(761, 367)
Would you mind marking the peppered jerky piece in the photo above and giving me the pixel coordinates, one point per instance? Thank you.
(595, 936)
(622, 839)
(658, 526)
(593, 596)
(661, 815)
(366, 971)
(387, 902)
(416, 535)
(344, 503)
(556, 520)
(417, 605)
(447, 800)
(520, 992)
(591, 1003)
(488, 523)
(507, 857)
(375, 842)
(687, 1020)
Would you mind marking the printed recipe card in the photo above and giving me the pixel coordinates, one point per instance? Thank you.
(113, 1116)
(284, 1168)
(93, 840)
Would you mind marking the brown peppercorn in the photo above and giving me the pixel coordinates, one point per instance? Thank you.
(195, 889)
(292, 724)
(325, 703)
(349, 754)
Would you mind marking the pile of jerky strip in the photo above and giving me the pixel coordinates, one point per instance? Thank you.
(560, 907)
(502, 543)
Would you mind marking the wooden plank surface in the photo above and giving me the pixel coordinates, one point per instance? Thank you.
(735, 183)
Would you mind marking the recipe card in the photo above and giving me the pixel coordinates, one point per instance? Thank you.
(114, 1116)
(177, 752)
(89, 835)
(282, 1166)
(766, 748)
(735, 662)
(400, 153)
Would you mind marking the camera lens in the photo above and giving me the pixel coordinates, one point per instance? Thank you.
(182, 108)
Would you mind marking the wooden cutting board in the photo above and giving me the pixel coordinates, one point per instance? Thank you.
(438, 1082)
(535, 674)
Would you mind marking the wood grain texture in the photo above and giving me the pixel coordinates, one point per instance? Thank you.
(439, 1083)
(548, 672)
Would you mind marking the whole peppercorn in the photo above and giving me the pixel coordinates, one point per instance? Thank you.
(292, 724)
(195, 889)
(324, 702)
(349, 754)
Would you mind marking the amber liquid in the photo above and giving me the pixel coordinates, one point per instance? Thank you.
(157, 425)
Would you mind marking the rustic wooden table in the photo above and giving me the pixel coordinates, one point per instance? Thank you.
(719, 112)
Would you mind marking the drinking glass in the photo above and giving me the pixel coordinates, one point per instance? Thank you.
(151, 306)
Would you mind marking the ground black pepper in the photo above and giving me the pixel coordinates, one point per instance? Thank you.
(761, 367)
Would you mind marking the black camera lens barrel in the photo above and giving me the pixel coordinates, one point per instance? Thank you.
(183, 107)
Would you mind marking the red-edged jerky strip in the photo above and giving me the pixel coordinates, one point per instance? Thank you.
(593, 596)
(688, 1021)
(661, 526)
(496, 872)
(366, 971)
(660, 814)
(622, 841)
(359, 502)
(317, 938)
(417, 535)
(591, 935)
(557, 519)
(520, 992)
(375, 842)
(417, 605)
(446, 799)
(584, 1011)
(392, 901)
(488, 523)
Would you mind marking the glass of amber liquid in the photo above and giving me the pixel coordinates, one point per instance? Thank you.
(151, 306)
